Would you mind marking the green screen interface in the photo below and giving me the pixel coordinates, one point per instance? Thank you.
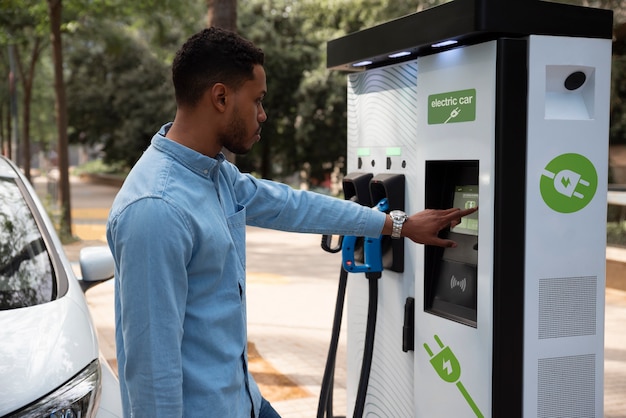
(466, 197)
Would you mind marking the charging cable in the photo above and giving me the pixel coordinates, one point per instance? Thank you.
(325, 404)
(372, 266)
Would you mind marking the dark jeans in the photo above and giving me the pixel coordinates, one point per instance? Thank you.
(267, 411)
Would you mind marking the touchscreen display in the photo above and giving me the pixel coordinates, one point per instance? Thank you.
(466, 197)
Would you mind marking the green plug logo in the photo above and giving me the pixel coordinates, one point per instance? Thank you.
(448, 368)
(568, 183)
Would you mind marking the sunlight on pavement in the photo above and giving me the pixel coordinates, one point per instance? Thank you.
(90, 224)
(265, 278)
(90, 213)
(89, 232)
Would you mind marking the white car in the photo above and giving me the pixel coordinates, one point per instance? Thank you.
(50, 364)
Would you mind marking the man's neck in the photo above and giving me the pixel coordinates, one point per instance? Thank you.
(196, 136)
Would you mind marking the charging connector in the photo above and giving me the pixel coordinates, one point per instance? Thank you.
(372, 264)
(566, 181)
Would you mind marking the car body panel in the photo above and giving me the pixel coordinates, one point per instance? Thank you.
(110, 400)
(44, 346)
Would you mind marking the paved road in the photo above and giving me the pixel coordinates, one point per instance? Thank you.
(291, 295)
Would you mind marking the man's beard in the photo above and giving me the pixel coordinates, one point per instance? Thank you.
(236, 139)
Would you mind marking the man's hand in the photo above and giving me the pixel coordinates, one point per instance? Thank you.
(424, 227)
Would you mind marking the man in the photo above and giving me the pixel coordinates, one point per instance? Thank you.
(177, 232)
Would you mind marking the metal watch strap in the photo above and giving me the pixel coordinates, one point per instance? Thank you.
(398, 220)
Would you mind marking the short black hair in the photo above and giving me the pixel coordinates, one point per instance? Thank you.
(213, 55)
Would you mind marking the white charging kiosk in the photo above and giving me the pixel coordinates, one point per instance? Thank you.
(504, 105)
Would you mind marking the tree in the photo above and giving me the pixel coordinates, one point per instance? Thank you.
(4, 93)
(119, 90)
(322, 96)
(23, 33)
(12, 120)
(306, 103)
(118, 77)
(55, 8)
(275, 26)
(27, 76)
(111, 43)
(15, 13)
(223, 14)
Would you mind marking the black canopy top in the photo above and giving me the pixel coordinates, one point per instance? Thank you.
(468, 22)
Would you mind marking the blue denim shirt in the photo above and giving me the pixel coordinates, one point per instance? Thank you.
(177, 232)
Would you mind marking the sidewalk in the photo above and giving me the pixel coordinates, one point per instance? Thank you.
(292, 288)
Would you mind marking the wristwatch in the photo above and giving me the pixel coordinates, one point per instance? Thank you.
(398, 217)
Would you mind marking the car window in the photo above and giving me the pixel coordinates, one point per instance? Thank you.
(26, 275)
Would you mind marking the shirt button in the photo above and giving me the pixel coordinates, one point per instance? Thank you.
(206, 171)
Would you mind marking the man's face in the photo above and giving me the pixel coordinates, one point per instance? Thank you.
(247, 114)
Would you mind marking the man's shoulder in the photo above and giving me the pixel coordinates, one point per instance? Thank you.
(145, 182)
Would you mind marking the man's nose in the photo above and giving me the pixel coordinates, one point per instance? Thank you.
(262, 115)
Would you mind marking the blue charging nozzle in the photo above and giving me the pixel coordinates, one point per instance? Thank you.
(383, 205)
(372, 264)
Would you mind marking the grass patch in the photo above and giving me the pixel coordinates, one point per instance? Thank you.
(100, 167)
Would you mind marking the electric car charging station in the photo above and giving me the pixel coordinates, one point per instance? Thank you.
(504, 106)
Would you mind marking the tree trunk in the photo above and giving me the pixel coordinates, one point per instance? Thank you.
(2, 130)
(223, 14)
(28, 78)
(7, 143)
(55, 8)
(12, 121)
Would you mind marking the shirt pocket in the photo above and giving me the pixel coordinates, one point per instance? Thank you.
(237, 227)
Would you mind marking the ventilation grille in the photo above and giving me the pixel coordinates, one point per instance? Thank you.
(566, 387)
(567, 307)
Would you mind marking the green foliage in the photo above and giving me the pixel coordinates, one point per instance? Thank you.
(100, 167)
(275, 26)
(334, 18)
(616, 234)
(306, 103)
(119, 92)
(117, 62)
(118, 86)
(24, 30)
(117, 57)
(618, 97)
(20, 20)
(42, 131)
(89, 24)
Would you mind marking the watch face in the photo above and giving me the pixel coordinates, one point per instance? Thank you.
(397, 215)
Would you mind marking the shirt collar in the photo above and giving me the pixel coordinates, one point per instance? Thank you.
(194, 160)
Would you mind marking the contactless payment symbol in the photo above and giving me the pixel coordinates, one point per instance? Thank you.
(568, 183)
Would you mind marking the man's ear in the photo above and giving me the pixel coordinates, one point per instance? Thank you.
(218, 95)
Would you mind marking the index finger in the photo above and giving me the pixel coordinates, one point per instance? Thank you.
(459, 213)
(465, 212)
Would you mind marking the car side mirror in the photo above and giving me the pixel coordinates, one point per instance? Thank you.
(96, 266)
